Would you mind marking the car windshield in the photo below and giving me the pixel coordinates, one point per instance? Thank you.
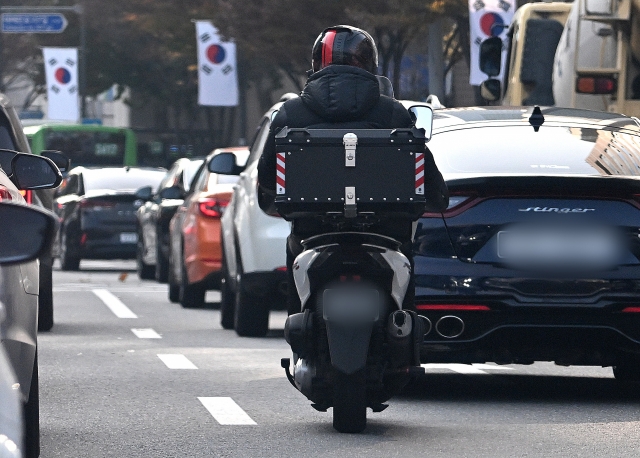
(519, 150)
(121, 180)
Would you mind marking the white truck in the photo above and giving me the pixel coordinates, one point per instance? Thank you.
(584, 54)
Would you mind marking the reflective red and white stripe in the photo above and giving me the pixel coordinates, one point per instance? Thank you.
(420, 174)
(280, 173)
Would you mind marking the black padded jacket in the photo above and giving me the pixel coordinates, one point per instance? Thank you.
(342, 97)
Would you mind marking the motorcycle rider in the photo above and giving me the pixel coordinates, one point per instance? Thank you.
(342, 92)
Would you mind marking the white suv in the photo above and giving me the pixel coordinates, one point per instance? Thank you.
(254, 277)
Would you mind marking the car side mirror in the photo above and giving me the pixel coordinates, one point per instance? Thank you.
(491, 56)
(27, 232)
(58, 158)
(144, 193)
(172, 192)
(34, 172)
(423, 119)
(491, 90)
(224, 164)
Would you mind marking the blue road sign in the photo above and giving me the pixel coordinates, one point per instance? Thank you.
(33, 23)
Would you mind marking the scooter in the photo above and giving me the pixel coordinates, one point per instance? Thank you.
(354, 347)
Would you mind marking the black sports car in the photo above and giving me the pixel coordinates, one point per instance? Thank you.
(537, 257)
(97, 210)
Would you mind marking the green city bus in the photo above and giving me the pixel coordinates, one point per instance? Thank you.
(85, 144)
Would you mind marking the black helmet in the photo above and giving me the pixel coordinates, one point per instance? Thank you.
(345, 45)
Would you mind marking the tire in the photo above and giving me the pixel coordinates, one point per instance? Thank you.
(174, 288)
(227, 297)
(251, 314)
(45, 298)
(161, 272)
(191, 295)
(68, 262)
(32, 416)
(628, 370)
(349, 402)
(145, 271)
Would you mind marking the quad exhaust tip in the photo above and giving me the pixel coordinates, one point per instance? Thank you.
(450, 326)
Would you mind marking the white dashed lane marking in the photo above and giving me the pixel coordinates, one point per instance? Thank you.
(226, 411)
(467, 368)
(176, 361)
(115, 305)
(146, 333)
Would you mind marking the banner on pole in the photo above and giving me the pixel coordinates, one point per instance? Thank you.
(488, 18)
(217, 72)
(61, 72)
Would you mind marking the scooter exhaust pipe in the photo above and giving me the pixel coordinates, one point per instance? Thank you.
(450, 326)
(400, 324)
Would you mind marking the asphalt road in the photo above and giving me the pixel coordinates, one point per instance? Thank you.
(125, 373)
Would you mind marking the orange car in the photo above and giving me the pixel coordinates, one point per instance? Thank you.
(195, 256)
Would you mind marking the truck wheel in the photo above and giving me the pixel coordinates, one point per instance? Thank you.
(251, 313)
(45, 298)
(32, 416)
(145, 271)
(349, 402)
(67, 260)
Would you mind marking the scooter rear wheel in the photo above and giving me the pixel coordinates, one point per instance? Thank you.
(349, 402)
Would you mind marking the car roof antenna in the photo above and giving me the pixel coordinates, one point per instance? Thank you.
(536, 119)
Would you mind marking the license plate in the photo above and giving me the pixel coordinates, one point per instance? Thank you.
(128, 237)
(347, 305)
(584, 247)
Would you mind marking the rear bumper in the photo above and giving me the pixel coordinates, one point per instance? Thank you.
(577, 336)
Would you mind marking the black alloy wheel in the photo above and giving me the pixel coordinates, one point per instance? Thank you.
(628, 370)
(45, 296)
(191, 294)
(145, 271)
(68, 261)
(161, 272)
(227, 296)
(251, 312)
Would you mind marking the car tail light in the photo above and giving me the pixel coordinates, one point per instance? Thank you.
(596, 85)
(212, 207)
(457, 204)
(453, 307)
(83, 239)
(281, 269)
(631, 310)
(28, 196)
(88, 204)
(5, 194)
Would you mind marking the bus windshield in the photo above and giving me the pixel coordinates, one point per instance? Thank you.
(88, 148)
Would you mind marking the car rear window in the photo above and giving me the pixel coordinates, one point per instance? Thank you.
(121, 180)
(551, 151)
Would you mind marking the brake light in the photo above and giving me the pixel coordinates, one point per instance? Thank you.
(457, 204)
(5, 194)
(456, 307)
(631, 310)
(28, 195)
(596, 85)
(88, 204)
(211, 207)
(281, 269)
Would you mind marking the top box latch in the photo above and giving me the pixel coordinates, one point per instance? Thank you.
(350, 142)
